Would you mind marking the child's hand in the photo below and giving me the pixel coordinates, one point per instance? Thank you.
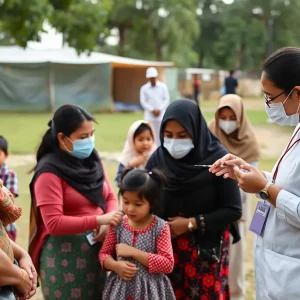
(126, 270)
(124, 250)
(137, 161)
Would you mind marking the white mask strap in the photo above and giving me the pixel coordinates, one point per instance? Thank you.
(298, 108)
(287, 96)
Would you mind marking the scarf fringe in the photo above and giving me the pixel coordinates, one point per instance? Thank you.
(10, 216)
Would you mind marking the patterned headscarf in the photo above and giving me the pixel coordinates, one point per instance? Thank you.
(9, 213)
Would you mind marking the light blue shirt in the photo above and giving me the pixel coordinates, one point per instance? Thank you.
(277, 251)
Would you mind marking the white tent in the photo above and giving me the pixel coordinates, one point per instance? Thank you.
(17, 55)
(40, 80)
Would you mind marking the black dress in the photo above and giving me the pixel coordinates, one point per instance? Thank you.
(193, 191)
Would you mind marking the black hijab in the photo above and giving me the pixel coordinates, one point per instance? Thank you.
(190, 189)
(84, 175)
(207, 148)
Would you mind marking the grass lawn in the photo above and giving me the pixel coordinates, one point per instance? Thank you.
(24, 131)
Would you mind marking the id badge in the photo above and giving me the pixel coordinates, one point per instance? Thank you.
(90, 238)
(260, 217)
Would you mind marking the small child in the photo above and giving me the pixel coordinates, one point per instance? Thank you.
(139, 251)
(10, 181)
(138, 147)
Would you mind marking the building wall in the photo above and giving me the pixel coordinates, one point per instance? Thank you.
(127, 82)
(249, 85)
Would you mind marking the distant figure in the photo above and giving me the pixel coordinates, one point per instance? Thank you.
(230, 83)
(196, 87)
(154, 98)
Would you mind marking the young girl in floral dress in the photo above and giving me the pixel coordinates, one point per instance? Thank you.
(139, 251)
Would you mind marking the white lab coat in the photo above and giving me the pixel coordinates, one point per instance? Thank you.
(277, 251)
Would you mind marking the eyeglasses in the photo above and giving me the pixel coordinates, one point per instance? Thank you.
(268, 100)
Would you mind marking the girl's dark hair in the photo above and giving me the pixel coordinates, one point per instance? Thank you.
(147, 184)
(3, 144)
(283, 68)
(143, 127)
(67, 119)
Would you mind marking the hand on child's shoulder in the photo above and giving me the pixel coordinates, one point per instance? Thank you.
(112, 218)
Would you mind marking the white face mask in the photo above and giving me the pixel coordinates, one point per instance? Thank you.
(228, 126)
(178, 148)
(277, 114)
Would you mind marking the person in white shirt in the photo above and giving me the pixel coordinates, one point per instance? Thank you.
(277, 243)
(154, 98)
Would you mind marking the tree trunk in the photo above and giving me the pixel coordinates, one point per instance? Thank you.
(240, 56)
(201, 57)
(157, 45)
(158, 54)
(64, 38)
(122, 41)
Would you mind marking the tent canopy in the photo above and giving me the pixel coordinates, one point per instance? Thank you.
(18, 55)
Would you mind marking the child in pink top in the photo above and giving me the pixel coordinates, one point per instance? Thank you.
(139, 251)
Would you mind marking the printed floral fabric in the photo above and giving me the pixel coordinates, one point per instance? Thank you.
(195, 279)
(69, 268)
(5, 243)
(9, 212)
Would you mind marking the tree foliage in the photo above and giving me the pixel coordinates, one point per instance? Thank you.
(80, 21)
(205, 33)
(246, 31)
(23, 20)
(156, 29)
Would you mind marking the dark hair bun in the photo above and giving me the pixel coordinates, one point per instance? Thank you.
(147, 184)
(159, 177)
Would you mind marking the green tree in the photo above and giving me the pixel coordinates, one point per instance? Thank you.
(209, 20)
(122, 17)
(23, 20)
(241, 38)
(165, 30)
(242, 34)
(80, 21)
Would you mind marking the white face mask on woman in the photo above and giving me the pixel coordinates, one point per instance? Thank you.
(277, 114)
(178, 148)
(228, 126)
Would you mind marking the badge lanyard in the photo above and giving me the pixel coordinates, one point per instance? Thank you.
(288, 148)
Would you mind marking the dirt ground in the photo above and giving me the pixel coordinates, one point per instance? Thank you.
(272, 143)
